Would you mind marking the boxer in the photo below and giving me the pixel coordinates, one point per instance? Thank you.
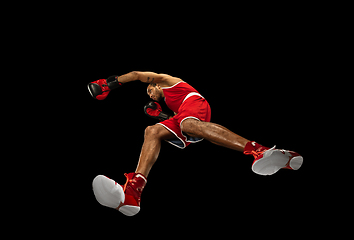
(190, 124)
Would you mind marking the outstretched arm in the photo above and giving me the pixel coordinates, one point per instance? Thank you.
(145, 77)
(99, 89)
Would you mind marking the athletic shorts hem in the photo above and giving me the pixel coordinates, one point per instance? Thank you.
(177, 142)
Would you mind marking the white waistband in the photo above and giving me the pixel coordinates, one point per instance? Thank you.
(191, 94)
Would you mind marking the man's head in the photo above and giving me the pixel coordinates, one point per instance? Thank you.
(155, 92)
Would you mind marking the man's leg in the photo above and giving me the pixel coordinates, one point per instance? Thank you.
(151, 147)
(215, 133)
(126, 199)
(267, 160)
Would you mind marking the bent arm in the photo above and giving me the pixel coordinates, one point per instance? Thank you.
(145, 77)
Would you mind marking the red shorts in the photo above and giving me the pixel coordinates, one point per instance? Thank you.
(194, 107)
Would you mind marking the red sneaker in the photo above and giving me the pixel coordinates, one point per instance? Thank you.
(132, 190)
(270, 160)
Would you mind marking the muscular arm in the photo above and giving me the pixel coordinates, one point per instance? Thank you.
(149, 77)
(145, 77)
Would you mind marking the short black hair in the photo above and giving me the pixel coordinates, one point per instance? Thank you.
(152, 84)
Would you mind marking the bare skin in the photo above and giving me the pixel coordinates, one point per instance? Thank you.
(151, 147)
(213, 132)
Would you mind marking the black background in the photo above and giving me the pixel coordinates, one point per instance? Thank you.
(254, 74)
(256, 94)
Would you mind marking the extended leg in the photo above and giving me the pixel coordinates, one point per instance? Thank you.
(126, 199)
(215, 133)
(151, 147)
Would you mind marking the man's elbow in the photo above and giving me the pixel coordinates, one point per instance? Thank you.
(135, 74)
(139, 76)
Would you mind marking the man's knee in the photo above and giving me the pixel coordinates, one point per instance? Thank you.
(155, 131)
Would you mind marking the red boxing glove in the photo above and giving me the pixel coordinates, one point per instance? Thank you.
(100, 89)
(154, 110)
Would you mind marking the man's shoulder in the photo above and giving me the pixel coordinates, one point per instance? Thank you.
(169, 81)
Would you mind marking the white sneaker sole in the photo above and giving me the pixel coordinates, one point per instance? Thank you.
(129, 210)
(273, 160)
(296, 162)
(107, 192)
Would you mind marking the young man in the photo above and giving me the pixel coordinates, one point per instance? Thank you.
(190, 124)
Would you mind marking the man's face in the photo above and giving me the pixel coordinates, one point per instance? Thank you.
(155, 93)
